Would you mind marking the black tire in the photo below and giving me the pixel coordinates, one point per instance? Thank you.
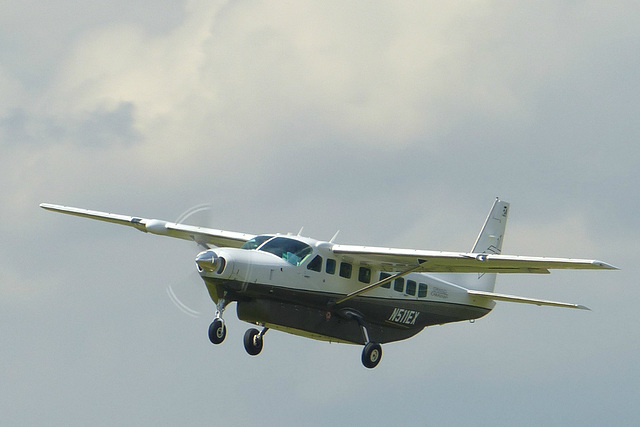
(371, 355)
(253, 342)
(217, 331)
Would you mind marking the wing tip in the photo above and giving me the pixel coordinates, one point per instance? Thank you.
(53, 207)
(604, 265)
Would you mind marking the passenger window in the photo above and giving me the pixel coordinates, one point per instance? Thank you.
(331, 266)
(411, 287)
(364, 275)
(345, 270)
(384, 276)
(398, 284)
(422, 290)
(315, 264)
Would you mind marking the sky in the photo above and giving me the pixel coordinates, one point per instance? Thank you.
(397, 123)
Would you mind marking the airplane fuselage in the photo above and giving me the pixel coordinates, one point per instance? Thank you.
(275, 288)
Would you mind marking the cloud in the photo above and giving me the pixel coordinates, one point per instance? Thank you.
(244, 81)
(101, 128)
(227, 69)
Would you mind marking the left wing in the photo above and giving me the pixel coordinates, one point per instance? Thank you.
(390, 259)
(200, 235)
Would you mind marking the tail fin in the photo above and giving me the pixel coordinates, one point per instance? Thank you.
(489, 241)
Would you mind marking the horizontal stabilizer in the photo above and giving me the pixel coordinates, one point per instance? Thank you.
(512, 298)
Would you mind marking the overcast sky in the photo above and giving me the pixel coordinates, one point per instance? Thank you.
(397, 123)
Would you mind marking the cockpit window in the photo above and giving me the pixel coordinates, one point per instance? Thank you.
(255, 242)
(291, 250)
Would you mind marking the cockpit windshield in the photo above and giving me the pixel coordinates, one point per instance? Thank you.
(291, 250)
(255, 242)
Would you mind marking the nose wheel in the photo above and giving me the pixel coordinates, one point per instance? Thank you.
(217, 331)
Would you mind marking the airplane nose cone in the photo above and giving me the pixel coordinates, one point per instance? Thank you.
(208, 261)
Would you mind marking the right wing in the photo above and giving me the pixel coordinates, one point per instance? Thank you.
(391, 259)
(201, 235)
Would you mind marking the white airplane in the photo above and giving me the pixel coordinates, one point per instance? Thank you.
(343, 293)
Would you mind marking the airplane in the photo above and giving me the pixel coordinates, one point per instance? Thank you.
(352, 294)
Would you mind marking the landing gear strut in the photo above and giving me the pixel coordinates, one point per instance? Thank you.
(372, 352)
(253, 340)
(217, 329)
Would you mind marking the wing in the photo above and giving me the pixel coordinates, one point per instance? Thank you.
(390, 259)
(200, 235)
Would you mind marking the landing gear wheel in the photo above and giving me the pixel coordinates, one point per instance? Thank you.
(371, 355)
(217, 331)
(253, 342)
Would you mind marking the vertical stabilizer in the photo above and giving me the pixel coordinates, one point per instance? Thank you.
(489, 241)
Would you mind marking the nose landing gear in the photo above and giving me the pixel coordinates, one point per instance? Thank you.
(217, 329)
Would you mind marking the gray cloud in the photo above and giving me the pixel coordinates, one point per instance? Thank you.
(98, 129)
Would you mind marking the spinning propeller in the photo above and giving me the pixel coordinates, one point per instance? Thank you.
(188, 297)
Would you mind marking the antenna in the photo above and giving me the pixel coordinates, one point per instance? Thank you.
(334, 236)
(300, 232)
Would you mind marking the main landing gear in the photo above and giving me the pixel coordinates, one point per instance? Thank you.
(371, 355)
(372, 351)
(253, 340)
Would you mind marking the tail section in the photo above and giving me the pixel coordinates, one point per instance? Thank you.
(489, 241)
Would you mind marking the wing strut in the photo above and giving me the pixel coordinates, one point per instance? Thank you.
(379, 283)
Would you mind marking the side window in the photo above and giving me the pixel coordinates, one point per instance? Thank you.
(384, 276)
(398, 284)
(422, 290)
(364, 275)
(411, 287)
(315, 264)
(345, 270)
(331, 266)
